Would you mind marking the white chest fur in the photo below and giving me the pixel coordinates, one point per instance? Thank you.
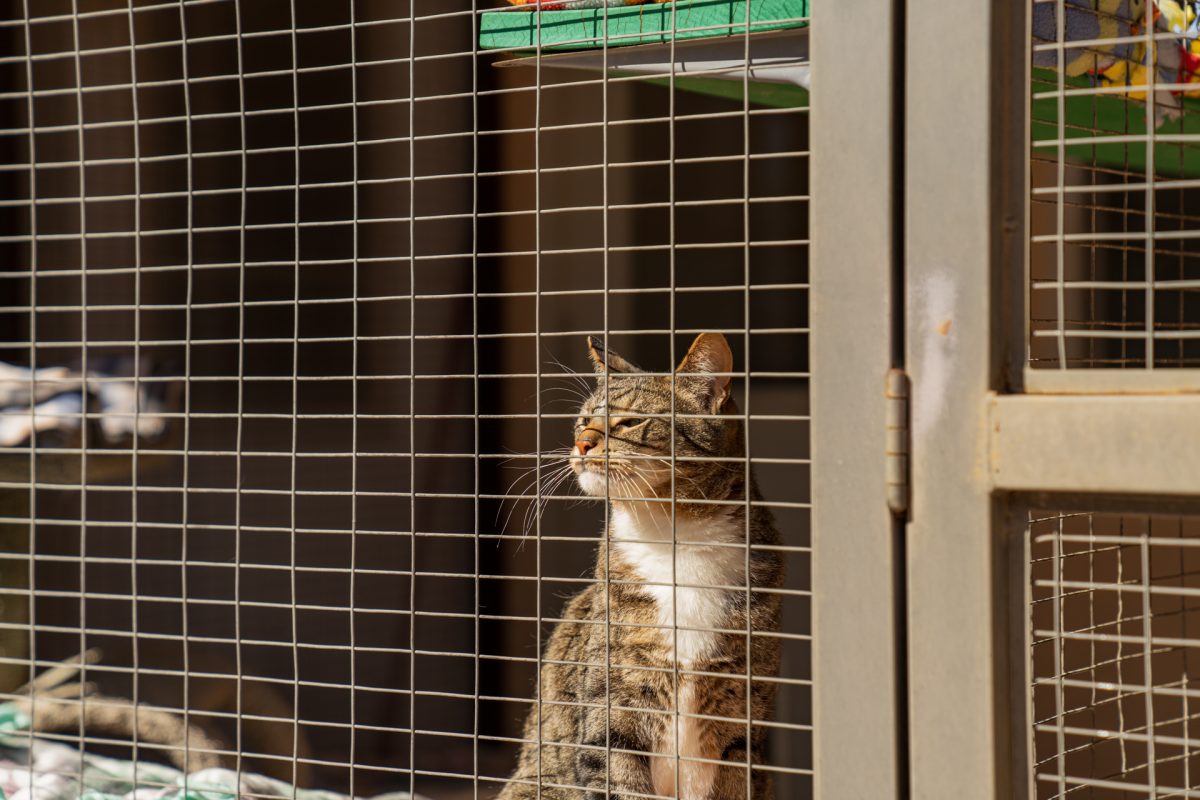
(675, 574)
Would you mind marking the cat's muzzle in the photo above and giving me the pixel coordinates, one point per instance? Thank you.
(590, 474)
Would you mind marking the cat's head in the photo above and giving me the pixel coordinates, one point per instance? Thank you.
(624, 434)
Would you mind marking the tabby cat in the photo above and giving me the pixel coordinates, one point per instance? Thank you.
(612, 721)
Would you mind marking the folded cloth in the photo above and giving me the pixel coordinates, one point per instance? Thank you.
(51, 400)
(36, 769)
(44, 770)
(558, 5)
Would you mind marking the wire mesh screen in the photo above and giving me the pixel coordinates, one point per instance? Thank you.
(294, 294)
(1115, 168)
(1115, 625)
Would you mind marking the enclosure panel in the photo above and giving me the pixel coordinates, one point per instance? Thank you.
(964, 195)
(857, 590)
(308, 288)
(1113, 622)
(1113, 274)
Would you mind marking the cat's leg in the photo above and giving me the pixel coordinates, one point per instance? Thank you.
(618, 705)
(716, 762)
(527, 789)
(546, 770)
(613, 774)
(684, 767)
(561, 770)
(612, 761)
(731, 779)
(546, 767)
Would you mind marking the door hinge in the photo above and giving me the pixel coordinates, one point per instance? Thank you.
(896, 444)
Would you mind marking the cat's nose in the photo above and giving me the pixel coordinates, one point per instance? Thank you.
(583, 445)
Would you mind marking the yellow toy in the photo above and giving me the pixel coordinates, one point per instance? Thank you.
(1175, 62)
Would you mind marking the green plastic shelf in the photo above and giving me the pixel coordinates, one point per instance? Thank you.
(1109, 114)
(656, 23)
(574, 38)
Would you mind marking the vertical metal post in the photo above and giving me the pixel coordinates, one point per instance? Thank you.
(856, 588)
(964, 231)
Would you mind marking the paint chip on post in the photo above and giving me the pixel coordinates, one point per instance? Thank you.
(935, 299)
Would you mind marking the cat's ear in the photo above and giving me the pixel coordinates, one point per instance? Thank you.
(602, 356)
(706, 359)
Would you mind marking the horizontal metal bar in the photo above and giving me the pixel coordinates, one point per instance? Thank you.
(1111, 381)
(585, 540)
(1172, 642)
(1128, 540)
(1117, 236)
(1078, 333)
(248, 77)
(1165, 184)
(396, 338)
(400, 22)
(359, 609)
(293, 148)
(390, 690)
(145, 231)
(1112, 89)
(212, 415)
(1105, 41)
(356, 453)
(1122, 138)
(1127, 444)
(142, 9)
(292, 644)
(647, 248)
(1101, 734)
(1133, 588)
(250, 492)
(1160, 789)
(101, 199)
(1129, 285)
(511, 172)
(1121, 688)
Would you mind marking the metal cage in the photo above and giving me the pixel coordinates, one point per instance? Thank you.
(296, 305)
(317, 278)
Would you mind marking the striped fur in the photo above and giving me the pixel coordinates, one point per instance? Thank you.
(622, 712)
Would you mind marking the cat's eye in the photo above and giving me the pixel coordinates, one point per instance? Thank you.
(626, 424)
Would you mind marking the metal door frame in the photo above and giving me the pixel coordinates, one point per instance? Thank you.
(966, 189)
(858, 680)
(918, 208)
(984, 450)
(920, 185)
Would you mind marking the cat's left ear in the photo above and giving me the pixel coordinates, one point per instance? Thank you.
(605, 359)
(709, 356)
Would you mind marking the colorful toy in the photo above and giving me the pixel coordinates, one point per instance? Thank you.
(1115, 53)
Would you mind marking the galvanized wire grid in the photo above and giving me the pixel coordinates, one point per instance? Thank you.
(358, 262)
(1115, 624)
(1114, 274)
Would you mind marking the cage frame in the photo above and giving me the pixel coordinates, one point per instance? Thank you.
(874, 261)
(1010, 439)
(855, 274)
(293, 151)
(965, 212)
(919, 612)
